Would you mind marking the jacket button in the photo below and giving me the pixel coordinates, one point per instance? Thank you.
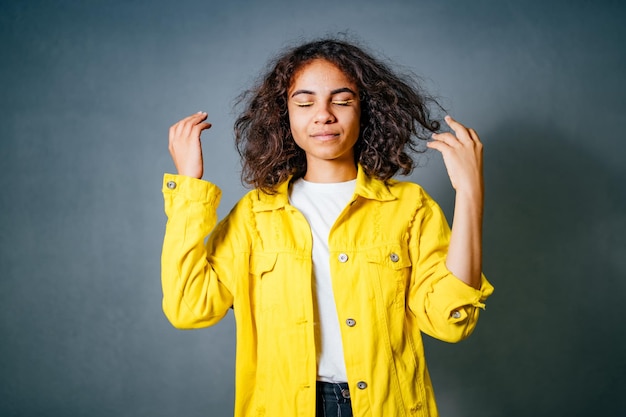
(456, 314)
(394, 257)
(342, 257)
(171, 185)
(361, 385)
(351, 322)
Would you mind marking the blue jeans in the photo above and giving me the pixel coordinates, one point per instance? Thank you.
(333, 400)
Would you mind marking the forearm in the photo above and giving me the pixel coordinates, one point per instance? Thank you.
(464, 258)
(193, 296)
(462, 154)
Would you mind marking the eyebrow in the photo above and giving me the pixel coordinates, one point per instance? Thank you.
(332, 93)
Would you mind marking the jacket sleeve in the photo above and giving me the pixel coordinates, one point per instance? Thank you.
(196, 293)
(446, 307)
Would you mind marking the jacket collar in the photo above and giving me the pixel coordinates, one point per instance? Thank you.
(366, 187)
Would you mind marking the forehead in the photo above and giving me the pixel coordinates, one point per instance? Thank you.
(320, 72)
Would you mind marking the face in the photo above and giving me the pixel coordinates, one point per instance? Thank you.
(324, 115)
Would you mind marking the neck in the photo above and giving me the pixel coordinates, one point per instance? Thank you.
(329, 172)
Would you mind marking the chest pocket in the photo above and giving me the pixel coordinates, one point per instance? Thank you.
(260, 263)
(393, 266)
(262, 280)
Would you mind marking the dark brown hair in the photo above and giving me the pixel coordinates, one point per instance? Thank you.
(394, 111)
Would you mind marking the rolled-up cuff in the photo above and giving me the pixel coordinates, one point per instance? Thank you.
(191, 189)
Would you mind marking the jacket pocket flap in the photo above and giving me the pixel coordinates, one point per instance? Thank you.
(394, 256)
(261, 263)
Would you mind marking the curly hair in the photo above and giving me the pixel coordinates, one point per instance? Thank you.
(394, 111)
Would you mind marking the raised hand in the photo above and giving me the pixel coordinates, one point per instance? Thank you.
(185, 147)
(463, 156)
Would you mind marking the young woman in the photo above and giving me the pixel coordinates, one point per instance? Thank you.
(333, 268)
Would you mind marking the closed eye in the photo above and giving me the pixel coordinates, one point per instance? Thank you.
(305, 104)
(343, 102)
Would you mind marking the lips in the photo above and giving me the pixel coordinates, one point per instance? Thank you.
(325, 135)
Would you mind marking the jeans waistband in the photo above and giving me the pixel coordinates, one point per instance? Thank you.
(338, 390)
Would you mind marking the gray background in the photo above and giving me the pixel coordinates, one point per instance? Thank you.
(89, 89)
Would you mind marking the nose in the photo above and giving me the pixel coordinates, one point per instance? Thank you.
(324, 115)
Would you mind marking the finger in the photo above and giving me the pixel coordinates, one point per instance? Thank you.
(194, 118)
(460, 131)
(197, 129)
(448, 138)
(474, 135)
(438, 145)
(185, 127)
(193, 135)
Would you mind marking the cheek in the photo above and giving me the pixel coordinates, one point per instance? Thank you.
(296, 132)
(297, 124)
(296, 141)
(356, 117)
(355, 125)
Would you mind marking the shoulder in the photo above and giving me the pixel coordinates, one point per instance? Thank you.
(407, 190)
(413, 200)
(257, 200)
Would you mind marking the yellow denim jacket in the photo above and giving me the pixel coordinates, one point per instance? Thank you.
(387, 258)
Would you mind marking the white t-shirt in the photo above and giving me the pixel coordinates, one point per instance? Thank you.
(321, 204)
